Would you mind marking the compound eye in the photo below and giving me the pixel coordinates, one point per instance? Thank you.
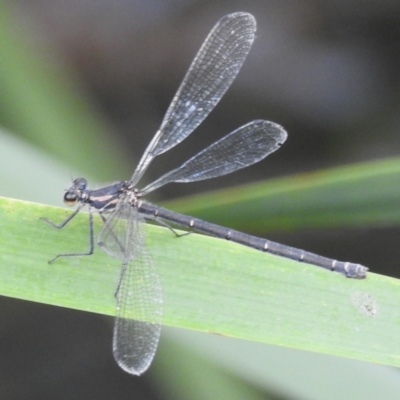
(70, 199)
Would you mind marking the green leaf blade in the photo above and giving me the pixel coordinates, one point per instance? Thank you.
(209, 285)
(364, 194)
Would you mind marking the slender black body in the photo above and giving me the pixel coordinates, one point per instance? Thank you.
(139, 293)
(348, 269)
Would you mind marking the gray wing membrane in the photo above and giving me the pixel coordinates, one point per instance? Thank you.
(139, 314)
(244, 146)
(123, 233)
(211, 73)
(139, 297)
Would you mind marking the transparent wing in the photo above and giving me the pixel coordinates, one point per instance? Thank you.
(212, 71)
(139, 296)
(123, 233)
(139, 314)
(244, 146)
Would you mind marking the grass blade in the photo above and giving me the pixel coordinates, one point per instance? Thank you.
(351, 196)
(260, 297)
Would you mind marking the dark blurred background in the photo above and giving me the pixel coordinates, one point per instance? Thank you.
(325, 70)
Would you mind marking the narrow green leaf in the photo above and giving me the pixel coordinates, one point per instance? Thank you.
(209, 285)
(364, 194)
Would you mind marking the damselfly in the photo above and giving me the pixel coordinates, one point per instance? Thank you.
(139, 294)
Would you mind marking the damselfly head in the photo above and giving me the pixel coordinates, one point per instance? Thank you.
(79, 184)
(70, 198)
(73, 194)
